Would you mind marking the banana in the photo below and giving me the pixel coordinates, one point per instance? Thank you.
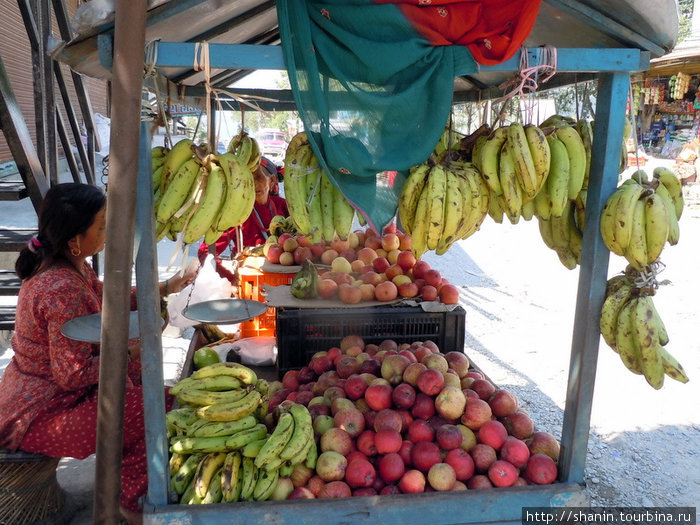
(557, 121)
(301, 456)
(312, 456)
(244, 374)
(496, 207)
(249, 479)
(297, 140)
(616, 282)
(240, 439)
(188, 496)
(175, 462)
(613, 303)
(295, 188)
(252, 449)
(185, 474)
(436, 187)
(209, 206)
(558, 177)
(343, 214)
(674, 187)
(522, 160)
(658, 325)
(452, 213)
(583, 127)
(180, 419)
(648, 343)
(265, 484)
(419, 229)
(214, 493)
(607, 223)
(279, 438)
(656, 226)
(255, 155)
(312, 182)
(527, 211)
(410, 193)
(200, 398)
(240, 192)
(231, 411)
(673, 227)
(178, 190)
(545, 228)
(206, 470)
(489, 158)
(303, 431)
(224, 428)
(476, 150)
(624, 216)
(479, 201)
(511, 188)
(327, 226)
(242, 146)
(561, 232)
(672, 368)
(285, 469)
(580, 209)
(541, 155)
(212, 384)
(577, 158)
(575, 237)
(637, 252)
(157, 178)
(567, 258)
(230, 472)
(176, 157)
(625, 338)
(159, 152)
(198, 445)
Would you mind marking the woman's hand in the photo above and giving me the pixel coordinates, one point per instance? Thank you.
(180, 280)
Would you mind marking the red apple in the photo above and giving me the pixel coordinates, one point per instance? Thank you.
(347, 365)
(331, 465)
(448, 437)
(519, 425)
(349, 294)
(450, 402)
(483, 456)
(492, 433)
(542, 442)
(404, 395)
(273, 253)
(387, 440)
(390, 241)
(337, 440)
(302, 253)
(502, 474)
(423, 407)
(355, 387)
(386, 291)
(410, 375)
(360, 473)
(430, 381)
(412, 482)
(462, 463)
(503, 403)
(301, 493)
(388, 418)
(459, 362)
(393, 367)
(480, 481)
(541, 470)
(476, 413)
(378, 396)
(365, 443)
(484, 388)
(351, 420)
(335, 489)
(515, 451)
(380, 264)
(449, 294)
(432, 277)
(420, 430)
(391, 467)
(406, 260)
(408, 290)
(428, 293)
(424, 455)
(393, 271)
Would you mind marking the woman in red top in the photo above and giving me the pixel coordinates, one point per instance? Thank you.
(48, 392)
(255, 229)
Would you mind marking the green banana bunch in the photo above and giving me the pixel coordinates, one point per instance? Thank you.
(181, 152)
(207, 469)
(230, 473)
(249, 478)
(305, 282)
(277, 441)
(632, 327)
(240, 192)
(213, 384)
(241, 372)
(180, 480)
(302, 434)
(231, 411)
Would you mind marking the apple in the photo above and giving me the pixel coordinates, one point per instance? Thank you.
(351, 420)
(452, 379)
(404, 395)
(425, 454)
(300, 475)
(462, 463)
(349, 254)
(290, 244)
(502, 474)
(436, 362)
(386, 291)
(503, 403)
(393, 367)
(391, 467)
(318, 409)
(432, 277)
(371, 277)
(394, 270)
(387, 440)
(341, 265)
(515, 451)
(458, 361)
(306, 375)
(273, 253)
(428, 292)
(408, 290)
(492, 433)
(353, 240)
(390, 241)
(323, 423)
(327, 288)
(449, 294)
(351, 340)
(371, 366)
(406, 419)
(484, 388)
(349, 294)
(356, 266)
(286, 259)
(378, 396)
(302, 253)
(347, 365)
(389, 228)
(317, 249)
(301, 493)
(334, 353)
(542, 442)
(320, 364)
(420, 430)
(479, 481)
(476, 413)
(406, 260)
(339, 244)
(468, 437)
(336, 439)
(412, 482)
(442, 477)
(367, 291)
(328, 256)
(304, 396)
(540, 469)
(519, 425)
(388, 418)
(483, 456)
(405, 242)
(448, 437)
(365, 442)
(398, 280)
(360, 473)
(421, 352)
(423, 407)
(430, 381)
(380, 264)
(355, 386)
(335, 489)
(339, 403)
(372, 241)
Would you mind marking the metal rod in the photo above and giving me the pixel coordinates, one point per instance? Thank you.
(129, 40)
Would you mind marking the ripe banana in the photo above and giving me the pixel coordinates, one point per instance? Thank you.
(231, 411)
(577, 158)
(624, 216)
(252, 449)
(230, 472)
(452, 213)
(510, 187)
(673, 185)
(178, 190)
(244, 374)
(672, 368)
(188, 496)
(240, 192)
(224, 428)
(648, 342)
(185, 474)
(213, 384)
(489, 158)
(410, 193)
(240, 439)
(303, 431)
(673, 227)
(176, 157)
(558, 177)
(478, 202)
(585, 131)
(343, 214)
(279, 438)
(545, 228)
(200, 398)
(209, 206)
(213, 494)
(198, 445)
(207, 468)
(541, 155)
(419, 229)
(249, 479)
(522, 160)
(613, 303)
(175, 462)
(265, 484)
(607, 223)
(625, 338)
(637, 253)
(656, 226)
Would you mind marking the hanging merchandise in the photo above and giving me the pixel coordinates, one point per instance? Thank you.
(373, 81)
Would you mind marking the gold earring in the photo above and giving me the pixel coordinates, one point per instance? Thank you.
(75, 252)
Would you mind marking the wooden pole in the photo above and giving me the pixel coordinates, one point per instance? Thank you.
(127, 79)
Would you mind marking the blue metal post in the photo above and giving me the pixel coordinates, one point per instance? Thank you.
(605, 168)
(150, 324)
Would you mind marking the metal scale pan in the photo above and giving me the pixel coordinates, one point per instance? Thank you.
(224, 311)
(88, 328)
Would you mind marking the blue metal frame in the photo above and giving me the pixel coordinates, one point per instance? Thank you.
(501, 505)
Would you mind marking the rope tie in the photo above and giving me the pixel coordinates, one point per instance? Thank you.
(646, 278)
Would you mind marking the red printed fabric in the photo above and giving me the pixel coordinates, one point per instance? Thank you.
(47, 367)
(493, 30)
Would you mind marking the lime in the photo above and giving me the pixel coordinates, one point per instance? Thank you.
(204, 356)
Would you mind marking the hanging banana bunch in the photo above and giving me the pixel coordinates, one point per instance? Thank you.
(246, 148)
(632, 327)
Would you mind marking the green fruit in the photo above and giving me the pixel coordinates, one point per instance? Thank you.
(205, 356)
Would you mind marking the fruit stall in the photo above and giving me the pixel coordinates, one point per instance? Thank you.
(239, 430)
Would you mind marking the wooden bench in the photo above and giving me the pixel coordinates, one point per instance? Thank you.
(29, 490)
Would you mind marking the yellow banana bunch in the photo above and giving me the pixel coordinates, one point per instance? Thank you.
(640, 217)
(246, 149)
(632, 327)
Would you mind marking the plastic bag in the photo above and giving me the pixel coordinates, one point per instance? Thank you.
(252, 351)
(208, 286)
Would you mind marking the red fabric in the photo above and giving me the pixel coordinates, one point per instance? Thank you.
(252, 232)
(48, 392)
(493, 30)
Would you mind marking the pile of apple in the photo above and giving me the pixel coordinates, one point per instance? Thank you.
(405, 418)
(366, 266)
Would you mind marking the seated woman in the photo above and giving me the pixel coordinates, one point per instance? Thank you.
(255, 229)
(48, 393)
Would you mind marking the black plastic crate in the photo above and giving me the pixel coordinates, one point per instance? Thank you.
(301, 332)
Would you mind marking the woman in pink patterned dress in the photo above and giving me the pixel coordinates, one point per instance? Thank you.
(48, 393)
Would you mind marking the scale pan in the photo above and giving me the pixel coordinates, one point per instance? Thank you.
(224, 311)
(88, 327)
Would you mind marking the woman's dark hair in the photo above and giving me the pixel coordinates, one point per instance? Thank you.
(68, 209)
